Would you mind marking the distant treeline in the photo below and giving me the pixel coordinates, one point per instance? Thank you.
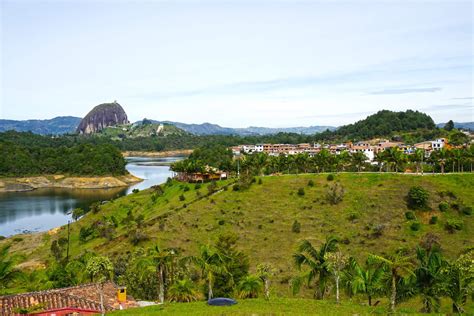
(34, 155)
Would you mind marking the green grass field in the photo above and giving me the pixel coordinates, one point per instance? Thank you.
(262, 217)
(275, 306)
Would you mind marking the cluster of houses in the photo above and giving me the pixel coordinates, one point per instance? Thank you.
(368, 148)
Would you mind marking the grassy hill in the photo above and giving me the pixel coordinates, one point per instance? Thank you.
(370, 219)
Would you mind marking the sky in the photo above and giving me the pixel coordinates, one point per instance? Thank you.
(237, 63)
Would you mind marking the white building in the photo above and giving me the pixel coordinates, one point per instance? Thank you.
(438, 144)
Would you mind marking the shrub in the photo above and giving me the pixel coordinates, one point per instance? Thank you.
(197, 186)
(301, 191)
(377, 230)
(443, 206)
(77, 213)
(311, 183)
(410, 215)
(433, 220)
(455, 206)
(186, 189)
(260, 181)
(453, 224)
(135, 191)
(415, 226)
(136, 236)
(467, 210)
(353, 215)
(236, 187)
(335, 193)
(296, 228)
(417, 198)
(330, 177)
(169, 181)
(221, 222)
(182, 198)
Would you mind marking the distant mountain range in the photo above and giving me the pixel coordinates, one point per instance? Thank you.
(55, 126)
(68, 124)
(465, 125)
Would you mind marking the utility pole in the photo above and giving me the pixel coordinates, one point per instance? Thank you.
(67, 251)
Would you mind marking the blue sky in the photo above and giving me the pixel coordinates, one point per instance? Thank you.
(241, 63)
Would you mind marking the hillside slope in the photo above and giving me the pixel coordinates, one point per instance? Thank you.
(55, 126)
(264, 214)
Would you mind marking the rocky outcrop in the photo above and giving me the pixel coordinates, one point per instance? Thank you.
(103, 115)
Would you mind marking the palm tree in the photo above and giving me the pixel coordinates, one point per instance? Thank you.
(395, 157)
(264, 272)
(7, 270)
(343, 160)
(162, 259)
(399, 267)
(315, 260)
(249, 287)
(336, 262)
(100, 269)
(428, 277)
(440, 157)
(183, 291)
(358, 159)
(367, 280)
(211, 262)
(417, 158)
(381, 159)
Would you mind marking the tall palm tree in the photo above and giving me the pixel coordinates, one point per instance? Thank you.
(100, 270)
(417, 159)
(399, 266)
(264, 272)
(367, 280)
(381, 159)
(428, 277)
(358, 159)
(343, 160)
(162, 259)
(211, 262)
(314, 259)
(440, 157)
(249, 287)
(396, 158)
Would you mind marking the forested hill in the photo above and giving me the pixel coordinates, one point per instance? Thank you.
(382, 124)
(54, 126)
(26, 154)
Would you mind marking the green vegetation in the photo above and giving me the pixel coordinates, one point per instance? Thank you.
(28, 157)
(200, 255)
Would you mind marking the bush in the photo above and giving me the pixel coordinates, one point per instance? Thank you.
(197, 186)
(335, 193)
(236, 187)
(182, 198)
(136, 236)
(415, 226)
(260, 181)
(221, 222)
(330, 177)
(186, 189)
(453, 225)
(467, 210)
(418, 198)
(353, 215)
(410, 215)
(301, 191)
(311, 183)
(433, 220)
(443, 206)
(77, 213)
(296, 228)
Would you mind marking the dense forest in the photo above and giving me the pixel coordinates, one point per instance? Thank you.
(19, 159)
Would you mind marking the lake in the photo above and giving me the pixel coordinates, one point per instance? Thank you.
(43, 209)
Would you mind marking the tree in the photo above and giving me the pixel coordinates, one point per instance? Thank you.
(459, 280)
(7, 270)
(367, 280)
(249, 286)
(358, 159)
(162, 259)
(264, 272)
(398, 266)
(211, 262)
(428, 277)
(100, 269)
(418, 198)
(183, 291)
(314, 259)
(449, 126)
(417, 159)
(336, 262)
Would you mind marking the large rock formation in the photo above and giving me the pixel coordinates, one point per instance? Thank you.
(103, 115)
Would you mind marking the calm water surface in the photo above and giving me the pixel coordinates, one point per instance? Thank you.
(43, 209)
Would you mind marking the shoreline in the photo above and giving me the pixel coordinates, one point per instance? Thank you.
(157, 154)
(24, 184)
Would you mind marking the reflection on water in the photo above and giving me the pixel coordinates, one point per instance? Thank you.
(43, 209)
